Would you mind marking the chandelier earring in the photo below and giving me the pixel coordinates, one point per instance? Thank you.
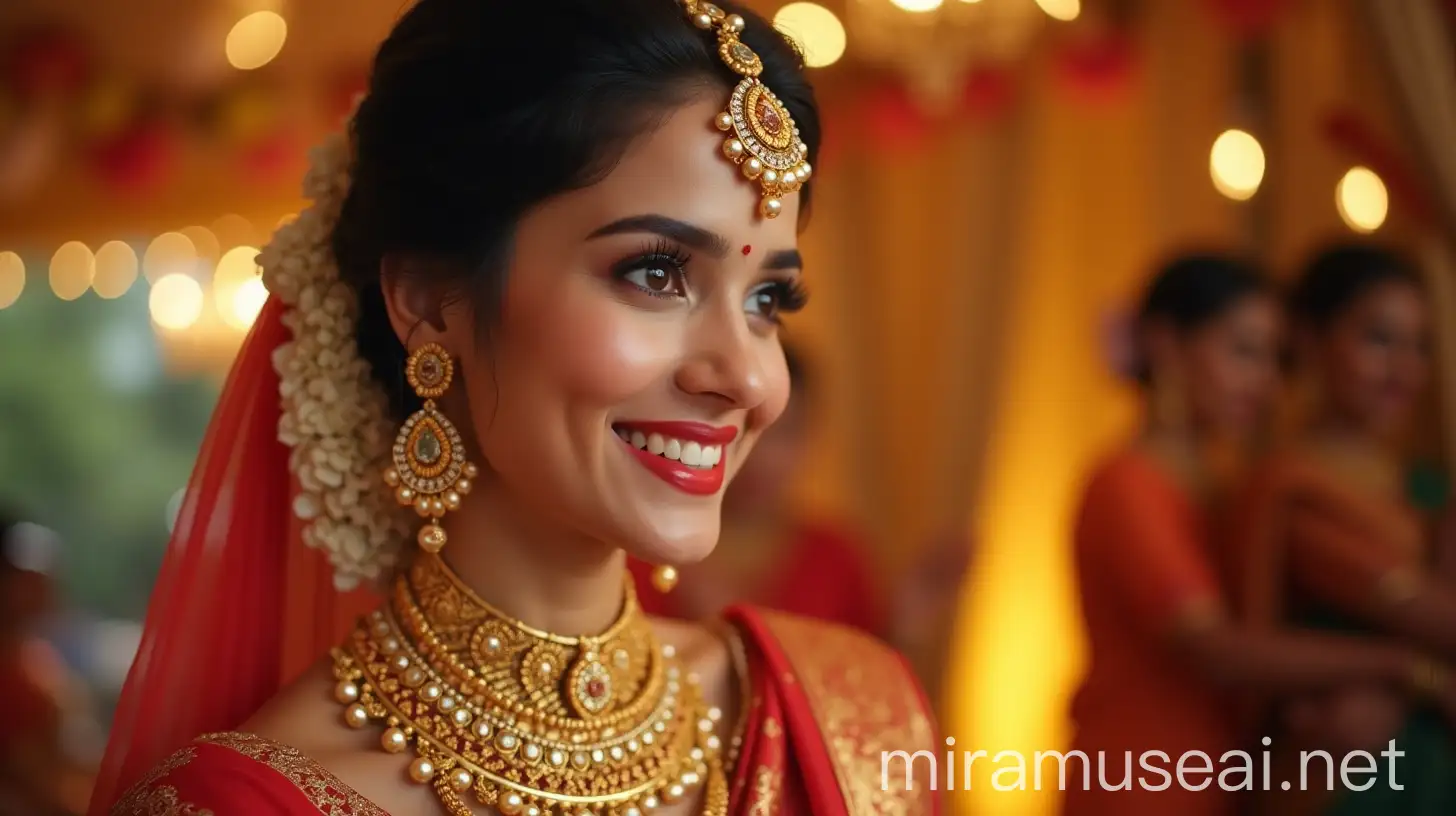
(429, 472)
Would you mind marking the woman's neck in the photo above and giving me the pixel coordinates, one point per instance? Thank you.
(1181, 453)
(538, 572)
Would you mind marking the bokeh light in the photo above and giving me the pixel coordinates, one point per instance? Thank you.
(116, 269)
(176, 301)
(816, 29)
(248, 301)
(917, 6)
(234, 230)
(256, 39)
(1236, 164)
(204, 242)
(169, 253)
(231, 286)
(12, 278)
(73, 267)
(1362, 200)
(1064, 10)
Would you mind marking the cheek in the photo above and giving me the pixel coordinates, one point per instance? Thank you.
(574, 350)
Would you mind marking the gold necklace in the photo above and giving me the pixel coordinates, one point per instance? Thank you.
(530, 722)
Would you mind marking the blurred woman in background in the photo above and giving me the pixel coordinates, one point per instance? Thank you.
(37, 775)
(1328, 538)
(1166, 656)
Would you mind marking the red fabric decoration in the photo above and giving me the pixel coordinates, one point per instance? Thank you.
(271, 157)
(893, 120)
(47, 62)
(1247, 18)
(1098, 68)
(136, 160)
(987, 94)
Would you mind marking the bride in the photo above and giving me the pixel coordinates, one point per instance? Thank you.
(528, 327)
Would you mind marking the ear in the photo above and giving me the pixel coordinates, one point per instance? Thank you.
(416, 305)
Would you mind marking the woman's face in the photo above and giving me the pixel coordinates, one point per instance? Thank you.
(1231, 366)
(636, 359)
(1374, 357)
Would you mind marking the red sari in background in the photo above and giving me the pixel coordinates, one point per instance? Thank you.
(821, 574)
(821, 704)
(1145, 570)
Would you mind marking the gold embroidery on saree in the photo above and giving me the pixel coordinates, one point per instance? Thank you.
(143, 797)
(766, 784)
(322, 788)
(163, 800)
(866, 706)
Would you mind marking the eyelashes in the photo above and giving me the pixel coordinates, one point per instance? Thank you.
(660, 270)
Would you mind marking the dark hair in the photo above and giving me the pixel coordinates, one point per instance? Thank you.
(1193, 290)
(1339, 275)
(476, 112)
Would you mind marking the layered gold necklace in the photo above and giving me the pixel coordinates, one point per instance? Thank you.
(526, 721)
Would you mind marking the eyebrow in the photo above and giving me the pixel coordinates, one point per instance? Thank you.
(680, 231)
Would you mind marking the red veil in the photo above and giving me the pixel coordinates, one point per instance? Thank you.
(240, 605)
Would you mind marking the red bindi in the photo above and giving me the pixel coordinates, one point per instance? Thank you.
(747, 248)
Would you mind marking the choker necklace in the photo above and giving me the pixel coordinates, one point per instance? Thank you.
(530, 722)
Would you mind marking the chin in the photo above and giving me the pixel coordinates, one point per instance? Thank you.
(687, 539)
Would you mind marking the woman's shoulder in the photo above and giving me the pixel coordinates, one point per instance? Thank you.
(241, 773)
(839, 668)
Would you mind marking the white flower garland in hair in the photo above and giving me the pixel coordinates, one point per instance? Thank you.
(335, 416)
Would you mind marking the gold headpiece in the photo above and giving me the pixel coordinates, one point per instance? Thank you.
(763, 139)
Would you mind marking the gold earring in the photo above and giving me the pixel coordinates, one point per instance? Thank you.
(664, 578)
(429, 473)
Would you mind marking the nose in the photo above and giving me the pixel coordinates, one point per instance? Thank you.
(725, 362)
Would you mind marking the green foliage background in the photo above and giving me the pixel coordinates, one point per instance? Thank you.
(96, 460)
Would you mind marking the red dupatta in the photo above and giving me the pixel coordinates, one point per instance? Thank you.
(240, 605)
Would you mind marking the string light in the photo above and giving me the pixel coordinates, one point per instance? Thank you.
(1063, 10)
(917, 6)
(12, 278)
(256, 39)
(116, 269)
(1362, 200)
(204, 242)
(232, 289)
(815, 28)
(248, 301)
(169, 253)
(73, 267)
(1236, 164)
(176, 301)
(234, 230)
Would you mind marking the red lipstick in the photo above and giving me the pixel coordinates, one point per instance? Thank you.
(696, 481)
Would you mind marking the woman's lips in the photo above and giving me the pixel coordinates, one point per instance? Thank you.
(686, 455)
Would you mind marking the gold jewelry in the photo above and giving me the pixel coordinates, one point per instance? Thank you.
(664, 578)
(528, 721)
(429, 471)
(763, 140)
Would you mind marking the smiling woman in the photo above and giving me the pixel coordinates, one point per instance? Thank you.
(520, 268)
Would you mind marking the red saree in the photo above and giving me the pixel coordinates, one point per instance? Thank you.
(822, 702)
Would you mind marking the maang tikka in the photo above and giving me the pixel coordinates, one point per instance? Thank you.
(429, 472)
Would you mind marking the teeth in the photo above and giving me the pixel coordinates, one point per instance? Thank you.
(692, 454)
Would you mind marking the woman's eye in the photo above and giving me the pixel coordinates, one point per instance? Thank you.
(763, 301)
(659, 279)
